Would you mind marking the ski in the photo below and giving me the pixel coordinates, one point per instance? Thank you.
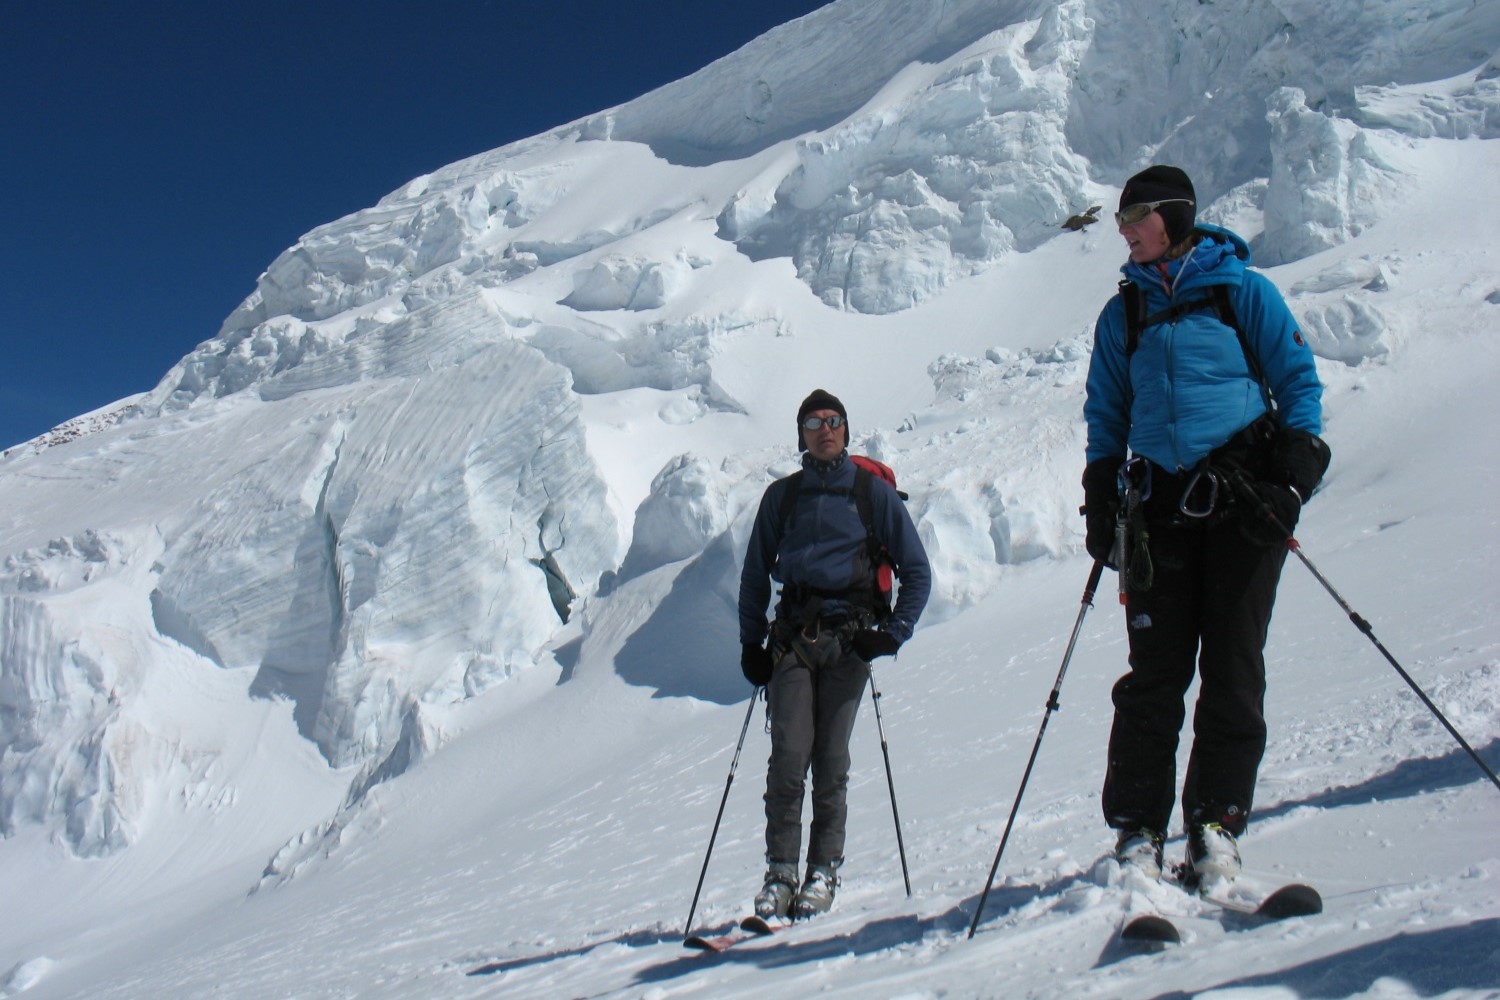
(1292, 899)
(753, 927)
(757, 926)
(1153, 932)
(1296, 899)
(714, 943)
(1150, 932)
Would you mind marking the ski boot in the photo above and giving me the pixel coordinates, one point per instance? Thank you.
(816, 894)
(1212, 854)
(1140, 850)
(775, 898)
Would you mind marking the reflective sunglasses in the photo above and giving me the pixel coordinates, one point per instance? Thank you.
(1132, 215)
(813, 423)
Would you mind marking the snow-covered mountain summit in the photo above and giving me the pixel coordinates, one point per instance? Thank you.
(467, 459)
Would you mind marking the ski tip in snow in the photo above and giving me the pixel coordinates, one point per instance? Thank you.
(1150, 932)
(1295, 900)
(701, 943)
(757, 925)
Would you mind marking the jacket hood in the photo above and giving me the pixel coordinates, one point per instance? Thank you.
(1216, 248)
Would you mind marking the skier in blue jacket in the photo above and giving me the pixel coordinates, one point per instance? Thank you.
(828, 628)
(1180, 419)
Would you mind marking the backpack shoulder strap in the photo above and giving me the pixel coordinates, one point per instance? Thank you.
(1135, 314)
(1224, 304)
(1218, 298)
(861, 494)
(788, 502)
(862, 501)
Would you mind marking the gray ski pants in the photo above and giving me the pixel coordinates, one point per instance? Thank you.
(814, 694)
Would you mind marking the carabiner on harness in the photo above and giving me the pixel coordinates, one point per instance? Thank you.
(1134, 477)
(1186, 507)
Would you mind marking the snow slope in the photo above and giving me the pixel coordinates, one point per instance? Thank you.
(386, 647)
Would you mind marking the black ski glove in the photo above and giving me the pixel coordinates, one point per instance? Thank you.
(870, 643)
(1298, 460)
(1268, 513)
(756, 664)
(1101, 502)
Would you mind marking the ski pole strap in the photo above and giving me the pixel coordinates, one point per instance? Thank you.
(1247, 492)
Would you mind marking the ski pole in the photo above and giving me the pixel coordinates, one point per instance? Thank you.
(890, 783)
(1360, 623)
(1369, 632)
(1052, 706)
(733, 764)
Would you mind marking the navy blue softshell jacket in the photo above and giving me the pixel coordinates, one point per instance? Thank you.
(826, 547)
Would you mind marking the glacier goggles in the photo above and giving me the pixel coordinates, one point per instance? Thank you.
(1132, 215)
(813, 423)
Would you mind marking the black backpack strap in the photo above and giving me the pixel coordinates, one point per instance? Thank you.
(788, 503)
(862, 501)
(1218, 299)
(1225, 306)
(1135, 314)
(860, 494)
(864, 481)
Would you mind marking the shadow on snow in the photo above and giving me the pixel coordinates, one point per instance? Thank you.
(1408, 779)
(1430, 963)
(690, 645)
(633, 939)
(788, 947)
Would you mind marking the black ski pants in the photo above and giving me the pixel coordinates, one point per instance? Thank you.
(814, 694)
(1209, 608)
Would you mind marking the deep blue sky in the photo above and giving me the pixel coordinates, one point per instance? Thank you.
(156, 156)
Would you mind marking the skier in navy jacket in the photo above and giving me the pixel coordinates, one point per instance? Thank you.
(1220, 479)
(827, 630)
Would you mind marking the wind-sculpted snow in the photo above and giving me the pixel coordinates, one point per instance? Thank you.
(64, 747)
(687, 508)
(801, 77)
(1329, 181)
(626, 283)
(1004, 502)
(907, 196)
(398, 545)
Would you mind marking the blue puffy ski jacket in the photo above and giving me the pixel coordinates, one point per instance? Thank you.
(826, 548)
(1188, 388)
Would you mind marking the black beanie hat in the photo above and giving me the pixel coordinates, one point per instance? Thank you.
(821, 399)
(1158, 183)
